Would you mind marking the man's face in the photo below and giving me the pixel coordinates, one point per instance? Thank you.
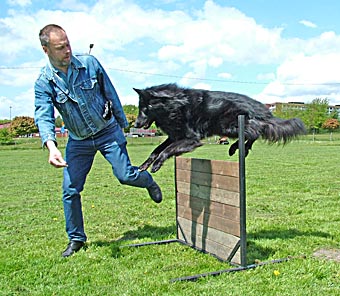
(59, 50)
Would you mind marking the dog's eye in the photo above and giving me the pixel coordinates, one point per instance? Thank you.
(149, 106)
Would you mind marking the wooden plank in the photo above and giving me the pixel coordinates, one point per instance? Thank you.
(220, 167)
(207, 239)
(212, 194)
(201, 236)
(212, 207)
(209, 180)
(208, 205)
(209, 220)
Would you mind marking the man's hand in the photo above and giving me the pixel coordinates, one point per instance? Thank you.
(55, 158)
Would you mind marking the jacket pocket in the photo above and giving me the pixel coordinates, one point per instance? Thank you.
(89, 83)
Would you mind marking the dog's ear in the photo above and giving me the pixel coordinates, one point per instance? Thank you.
(138, 91)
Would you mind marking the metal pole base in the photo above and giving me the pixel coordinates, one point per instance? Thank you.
(235, 269)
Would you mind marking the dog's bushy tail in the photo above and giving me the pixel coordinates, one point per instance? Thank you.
(281, 130)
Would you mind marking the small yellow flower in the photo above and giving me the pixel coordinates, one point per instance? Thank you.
(276, 273)
(55, 219)
(92, 206)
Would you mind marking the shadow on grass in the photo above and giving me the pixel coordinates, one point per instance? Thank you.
(257, 252)
(284, 234)
(147, 231)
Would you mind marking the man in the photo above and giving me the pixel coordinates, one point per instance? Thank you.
(80, 89)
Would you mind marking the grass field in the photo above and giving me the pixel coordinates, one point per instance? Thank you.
(293, 202)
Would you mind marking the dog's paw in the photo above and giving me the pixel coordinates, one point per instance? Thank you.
(143, 167)
(154, 169)
(232, 151)
(156, 166)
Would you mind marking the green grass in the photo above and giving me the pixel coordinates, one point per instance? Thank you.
(292, 210)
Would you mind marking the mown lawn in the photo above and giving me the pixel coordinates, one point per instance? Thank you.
(293, 201)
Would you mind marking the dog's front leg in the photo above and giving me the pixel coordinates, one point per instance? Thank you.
(175, 149)
(154, 154)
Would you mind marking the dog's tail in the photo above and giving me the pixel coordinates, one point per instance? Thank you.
(281, 130)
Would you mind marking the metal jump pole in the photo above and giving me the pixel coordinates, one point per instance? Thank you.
(242, 180)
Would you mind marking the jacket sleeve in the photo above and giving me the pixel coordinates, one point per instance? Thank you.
(44, 116)
(109, 92)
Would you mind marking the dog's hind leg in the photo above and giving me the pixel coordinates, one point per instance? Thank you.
(233, 148)
(154, 154)
(249, 143)
(175, 149)
(248, 146)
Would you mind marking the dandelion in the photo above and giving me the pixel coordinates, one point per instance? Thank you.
(55, 219)
(276, 273)
(92, 206)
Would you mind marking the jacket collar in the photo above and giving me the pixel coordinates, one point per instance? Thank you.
(49, 70)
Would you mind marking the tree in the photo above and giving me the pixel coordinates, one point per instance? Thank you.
(287, 111)
(131, 113)
(130, 109)
(23, 126)
(6, 137)
(316, 114)
(131, 118)
(3, 121)
(331, 124)
(59, 121)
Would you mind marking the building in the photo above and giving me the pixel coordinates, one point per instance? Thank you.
(5, 125)
(300, 106)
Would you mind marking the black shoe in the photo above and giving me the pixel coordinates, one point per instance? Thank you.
(155, 192)
(72, 247)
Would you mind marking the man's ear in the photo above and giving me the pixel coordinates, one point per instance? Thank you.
(45, 49)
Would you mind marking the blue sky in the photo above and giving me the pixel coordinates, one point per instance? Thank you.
(273, 51)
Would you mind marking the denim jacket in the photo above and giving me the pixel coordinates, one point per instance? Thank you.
(81, 105)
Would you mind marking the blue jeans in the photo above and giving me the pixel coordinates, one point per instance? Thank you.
(79, 156)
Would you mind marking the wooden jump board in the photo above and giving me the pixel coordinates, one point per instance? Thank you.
(208, 206)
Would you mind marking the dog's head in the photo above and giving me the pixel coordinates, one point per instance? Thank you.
(144, 119)
(156, 104)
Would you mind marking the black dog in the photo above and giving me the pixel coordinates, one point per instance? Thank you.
(188, 115)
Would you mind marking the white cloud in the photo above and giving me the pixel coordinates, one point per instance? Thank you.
(202, 86)
(5, 107)
(308, 24)
(20, 105)
(74, 5)
(226, 34)
(217, 34)
(303, 78)
(21, 3)
(266, 76)
(23, 76)
(224, 75)
(131, 41)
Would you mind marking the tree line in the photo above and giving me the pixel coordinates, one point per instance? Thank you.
(315, 116)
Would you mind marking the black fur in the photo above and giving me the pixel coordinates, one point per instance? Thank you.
(189, 115)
